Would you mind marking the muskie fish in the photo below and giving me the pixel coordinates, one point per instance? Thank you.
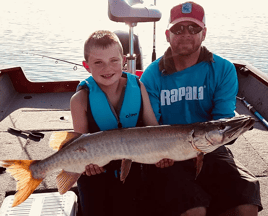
(146, 145)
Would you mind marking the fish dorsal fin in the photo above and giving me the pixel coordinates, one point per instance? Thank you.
(60, 138)
(65, 180)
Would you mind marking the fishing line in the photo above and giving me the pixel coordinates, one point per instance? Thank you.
(56, 62)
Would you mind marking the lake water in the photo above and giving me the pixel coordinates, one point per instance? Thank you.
(237, 30)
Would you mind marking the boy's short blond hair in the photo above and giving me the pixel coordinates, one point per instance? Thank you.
(101, 39)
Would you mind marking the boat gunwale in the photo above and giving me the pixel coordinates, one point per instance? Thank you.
(23, 85)
(247, 69)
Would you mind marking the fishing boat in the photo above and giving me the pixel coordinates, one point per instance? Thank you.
(31, 111)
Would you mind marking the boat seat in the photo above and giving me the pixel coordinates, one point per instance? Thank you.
(132, 11)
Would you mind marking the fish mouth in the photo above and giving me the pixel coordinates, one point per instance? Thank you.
(238, 126)
(229, 129)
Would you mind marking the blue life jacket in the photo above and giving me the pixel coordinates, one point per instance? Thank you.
(102, 115)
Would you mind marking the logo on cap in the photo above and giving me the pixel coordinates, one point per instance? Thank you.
(186, 8)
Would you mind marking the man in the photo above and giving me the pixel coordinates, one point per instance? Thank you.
(189, 84)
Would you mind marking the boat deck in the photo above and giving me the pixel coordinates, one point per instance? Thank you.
(48, 112)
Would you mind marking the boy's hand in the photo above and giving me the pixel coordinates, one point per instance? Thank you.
(93, 169)
(164, 163)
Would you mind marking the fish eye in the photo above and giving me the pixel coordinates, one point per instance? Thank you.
(221, 127)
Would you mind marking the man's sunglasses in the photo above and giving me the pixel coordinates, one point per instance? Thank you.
(192, 29)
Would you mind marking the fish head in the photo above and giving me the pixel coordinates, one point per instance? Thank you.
(213, 134)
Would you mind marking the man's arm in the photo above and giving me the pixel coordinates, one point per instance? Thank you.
(224, 99)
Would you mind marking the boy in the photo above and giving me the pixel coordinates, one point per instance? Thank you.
(107, 100)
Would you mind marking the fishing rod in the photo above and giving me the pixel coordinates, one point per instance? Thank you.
(254, 111)
(154, 53)
(56, 62)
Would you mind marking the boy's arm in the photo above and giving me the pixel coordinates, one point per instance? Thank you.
(151, 81)
(149, 118)
(78, 105)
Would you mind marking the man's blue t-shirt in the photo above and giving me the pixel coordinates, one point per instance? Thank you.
(199, 93)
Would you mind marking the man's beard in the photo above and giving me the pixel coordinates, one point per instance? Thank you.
(185, 48)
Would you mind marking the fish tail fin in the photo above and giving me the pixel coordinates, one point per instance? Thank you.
(26, 184)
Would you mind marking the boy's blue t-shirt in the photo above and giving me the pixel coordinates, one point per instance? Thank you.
(200, 93)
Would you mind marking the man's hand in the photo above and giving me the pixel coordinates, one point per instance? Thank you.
(93, 169)
(164, 163)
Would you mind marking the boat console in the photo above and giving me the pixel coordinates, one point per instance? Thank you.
(131, 12)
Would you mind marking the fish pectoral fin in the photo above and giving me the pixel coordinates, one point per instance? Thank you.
(65, 180)
(61, 138)
(199, 164)
(125, 168)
